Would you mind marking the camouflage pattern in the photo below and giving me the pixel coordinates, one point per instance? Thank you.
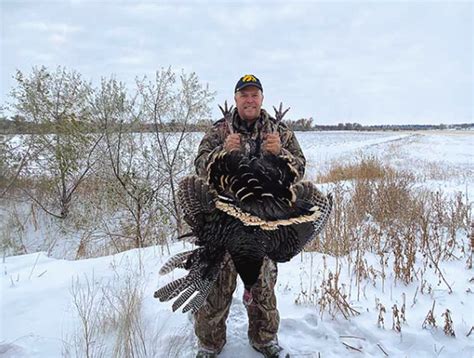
(210, 320)
(213, 141)
(263, 316)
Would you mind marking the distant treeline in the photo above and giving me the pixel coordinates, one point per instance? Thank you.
(306, 124)
(17, 125)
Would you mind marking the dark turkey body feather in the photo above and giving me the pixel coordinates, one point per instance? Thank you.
(249, 208)
(259, 185)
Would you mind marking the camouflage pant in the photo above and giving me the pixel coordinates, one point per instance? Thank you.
(210, 320)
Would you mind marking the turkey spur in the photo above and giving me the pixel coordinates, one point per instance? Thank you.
(249, 208)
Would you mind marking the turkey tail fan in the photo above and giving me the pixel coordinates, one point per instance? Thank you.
(195, 199)
(222, 165)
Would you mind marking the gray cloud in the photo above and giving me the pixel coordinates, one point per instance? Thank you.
(344, 61)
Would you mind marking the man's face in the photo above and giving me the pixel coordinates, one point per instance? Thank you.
(249, 103)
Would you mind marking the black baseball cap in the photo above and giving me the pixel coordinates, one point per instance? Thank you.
(246, 81)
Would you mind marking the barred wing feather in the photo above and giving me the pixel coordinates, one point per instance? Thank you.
(249, 208)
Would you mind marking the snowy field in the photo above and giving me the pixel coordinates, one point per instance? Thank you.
(39, 317)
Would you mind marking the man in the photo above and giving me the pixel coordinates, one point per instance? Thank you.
(249, 124)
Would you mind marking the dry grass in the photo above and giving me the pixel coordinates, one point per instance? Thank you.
(99, 223)
(111, 322)
(364, 169)
(383, 211)
(87, 341)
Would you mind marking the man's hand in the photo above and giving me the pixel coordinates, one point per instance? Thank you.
(232, 142)
(272, 143)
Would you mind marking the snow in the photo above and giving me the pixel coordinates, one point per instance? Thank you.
(38, 315)
(37, 312)
(447, 149)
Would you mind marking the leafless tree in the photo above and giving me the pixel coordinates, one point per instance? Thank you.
(101, 137)
(172, 103)
(135, 186)
(63, 144)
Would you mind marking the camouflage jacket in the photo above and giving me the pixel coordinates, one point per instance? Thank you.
(213, 141)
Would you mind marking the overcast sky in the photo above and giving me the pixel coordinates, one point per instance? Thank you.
(366, 62)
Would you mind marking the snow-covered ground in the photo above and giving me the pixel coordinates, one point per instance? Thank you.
(38, 314)
(447, 149)
(39, 319)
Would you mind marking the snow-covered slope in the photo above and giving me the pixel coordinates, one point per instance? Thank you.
(39, 316)
(38, 311)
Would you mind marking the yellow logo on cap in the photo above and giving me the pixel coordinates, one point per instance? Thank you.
(249, 78)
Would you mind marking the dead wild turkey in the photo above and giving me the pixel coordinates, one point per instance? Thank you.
(249, 207)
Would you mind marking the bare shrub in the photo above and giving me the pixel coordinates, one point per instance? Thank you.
(146, 166)
(125, 302)
(13, 233)
(308, 295)
(367, 208)
(395, 203)
(87, 341)
(107, 160)
(173, 103)
(111, 322)
(25, 228)
(177, 344)
(57, 103)
(380, 210)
